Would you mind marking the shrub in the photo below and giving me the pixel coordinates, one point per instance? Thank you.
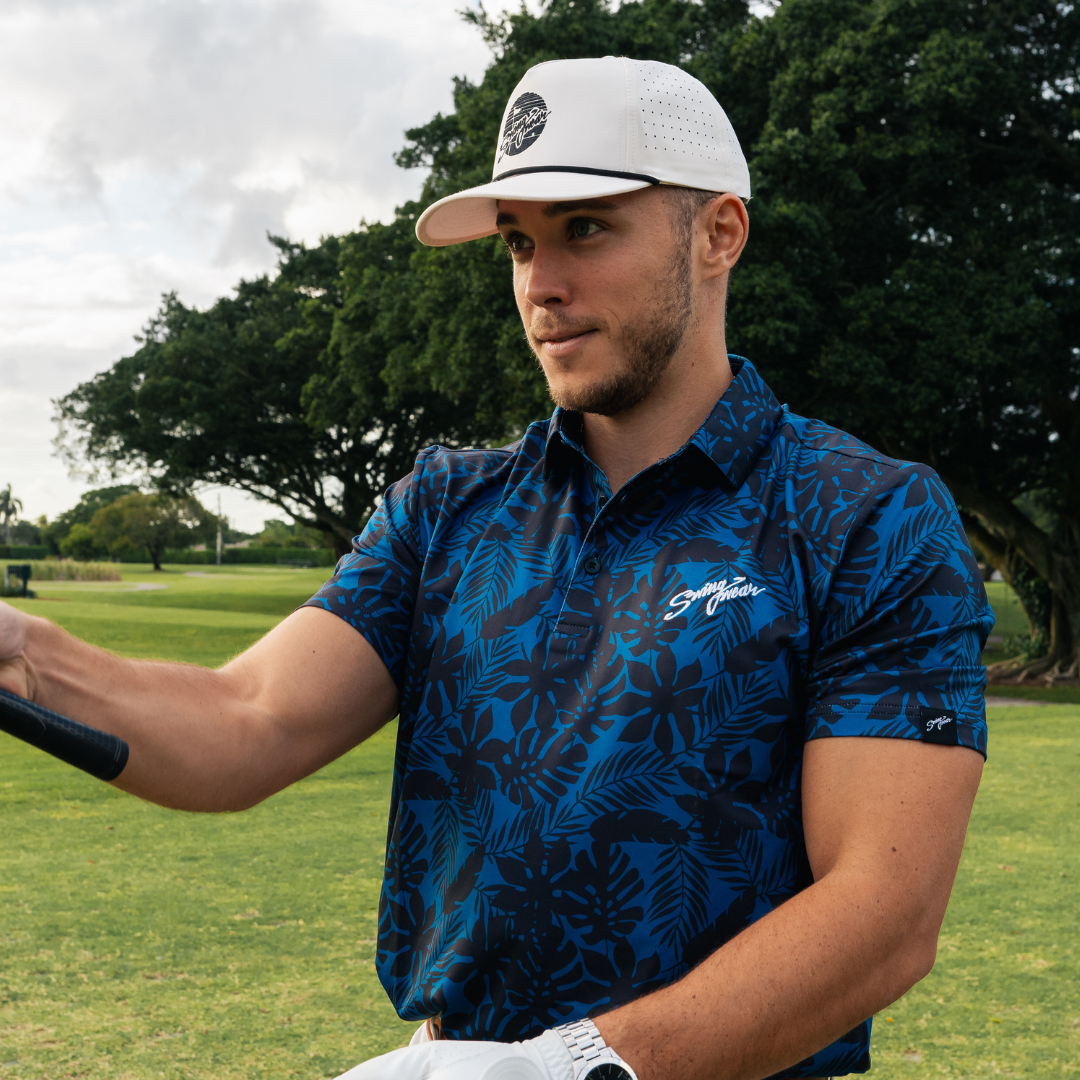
(68, 570)
(80, 543)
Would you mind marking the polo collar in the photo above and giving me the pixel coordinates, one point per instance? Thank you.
(732, 437)
(741, 424)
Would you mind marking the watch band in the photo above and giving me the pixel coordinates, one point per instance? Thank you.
(582, 1039)
(587, 1047)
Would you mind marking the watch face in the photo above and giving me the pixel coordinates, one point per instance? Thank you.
(606, 1070)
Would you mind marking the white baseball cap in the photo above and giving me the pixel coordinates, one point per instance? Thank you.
(582, 129)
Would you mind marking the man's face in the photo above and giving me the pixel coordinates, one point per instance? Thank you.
(605, 294)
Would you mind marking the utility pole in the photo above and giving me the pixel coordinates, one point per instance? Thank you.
(219, 538)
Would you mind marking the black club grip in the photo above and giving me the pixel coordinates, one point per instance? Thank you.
(93, 751)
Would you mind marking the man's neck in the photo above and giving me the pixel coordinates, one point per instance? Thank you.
(633, 440)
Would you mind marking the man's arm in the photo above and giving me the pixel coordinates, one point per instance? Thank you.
(885, 821)
(211, 740)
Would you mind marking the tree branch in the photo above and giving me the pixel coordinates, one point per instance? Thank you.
(1010, 525)
(1043, 135)
(990, 547)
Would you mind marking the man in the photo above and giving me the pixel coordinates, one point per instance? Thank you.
(690, 699)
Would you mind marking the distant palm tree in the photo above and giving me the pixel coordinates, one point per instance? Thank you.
(10, 507)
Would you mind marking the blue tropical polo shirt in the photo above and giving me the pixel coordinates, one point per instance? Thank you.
(604, 697)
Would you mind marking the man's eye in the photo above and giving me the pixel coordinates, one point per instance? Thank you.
(581, 227)
(516, 242)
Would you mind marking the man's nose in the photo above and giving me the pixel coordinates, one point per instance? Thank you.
(547, 283)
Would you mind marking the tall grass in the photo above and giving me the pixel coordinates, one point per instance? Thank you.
(69, 570)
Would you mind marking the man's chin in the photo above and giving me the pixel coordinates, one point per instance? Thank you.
(608, 397)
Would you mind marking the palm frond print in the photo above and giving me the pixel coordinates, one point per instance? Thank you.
(604, 700)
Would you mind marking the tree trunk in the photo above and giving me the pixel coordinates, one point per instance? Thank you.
(1030, 589)
(339, 542)
(1044, 571)
(155, 555)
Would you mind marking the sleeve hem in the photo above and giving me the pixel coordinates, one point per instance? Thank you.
(368, 629)
(892, 722)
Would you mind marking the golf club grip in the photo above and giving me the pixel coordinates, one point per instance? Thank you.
(93, 751)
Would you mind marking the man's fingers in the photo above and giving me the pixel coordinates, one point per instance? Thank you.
(13, 678)
(12, 631)
(12, 642)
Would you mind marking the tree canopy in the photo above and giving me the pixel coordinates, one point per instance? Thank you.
(10, 508)
(138, 522)
(913, 273)
(911, 276)
(55, 532)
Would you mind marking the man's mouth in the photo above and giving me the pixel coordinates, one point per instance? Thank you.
(561, 344)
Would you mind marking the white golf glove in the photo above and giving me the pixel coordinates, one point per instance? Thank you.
(543, 1058)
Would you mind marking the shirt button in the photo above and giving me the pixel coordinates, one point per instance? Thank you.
(592, 564)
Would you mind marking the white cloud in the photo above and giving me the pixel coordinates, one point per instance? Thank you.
(149, 146)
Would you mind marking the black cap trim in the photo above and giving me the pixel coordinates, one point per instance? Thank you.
(575, 169)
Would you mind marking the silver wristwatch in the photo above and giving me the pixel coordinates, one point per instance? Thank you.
(593, 1058)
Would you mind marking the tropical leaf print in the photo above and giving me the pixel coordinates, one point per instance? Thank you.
(604, 698)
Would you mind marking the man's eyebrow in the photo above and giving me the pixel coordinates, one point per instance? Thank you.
(555, 209)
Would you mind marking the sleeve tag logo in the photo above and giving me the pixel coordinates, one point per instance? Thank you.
(938, 726)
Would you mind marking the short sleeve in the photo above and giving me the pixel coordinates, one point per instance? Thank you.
(902, 628)
(374, 588)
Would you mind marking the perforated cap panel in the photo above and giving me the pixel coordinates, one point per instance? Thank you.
(684, 136)
(678, 114)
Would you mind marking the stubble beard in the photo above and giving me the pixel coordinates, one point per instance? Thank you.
(647, 345)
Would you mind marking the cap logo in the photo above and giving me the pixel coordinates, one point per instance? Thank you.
(524, 123)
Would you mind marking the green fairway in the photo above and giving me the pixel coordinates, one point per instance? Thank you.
(1004, 998)
(1009, 619)
(139, 942)
(202, 616)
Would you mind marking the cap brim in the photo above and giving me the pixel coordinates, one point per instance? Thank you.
(470, 214)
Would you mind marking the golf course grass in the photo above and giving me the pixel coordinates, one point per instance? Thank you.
(137, 942)
(201, 616)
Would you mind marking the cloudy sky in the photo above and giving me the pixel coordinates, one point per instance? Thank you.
(148, 145)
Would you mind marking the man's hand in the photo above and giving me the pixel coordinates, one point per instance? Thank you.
(14, 625)
(542, 1058)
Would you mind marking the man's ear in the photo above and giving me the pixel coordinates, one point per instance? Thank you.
(727, 227)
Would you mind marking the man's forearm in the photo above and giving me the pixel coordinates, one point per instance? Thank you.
(216, 740)
(187, 727)
(785, 987)
(885, 821)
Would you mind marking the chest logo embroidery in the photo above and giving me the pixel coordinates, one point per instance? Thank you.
(715, 592)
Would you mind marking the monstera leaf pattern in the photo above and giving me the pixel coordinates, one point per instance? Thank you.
(604, 699)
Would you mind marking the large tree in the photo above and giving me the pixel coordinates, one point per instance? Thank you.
(299, 390)
(913, 271)
(911, 276)
(215, 396)
(913, 261)
(138, 522)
